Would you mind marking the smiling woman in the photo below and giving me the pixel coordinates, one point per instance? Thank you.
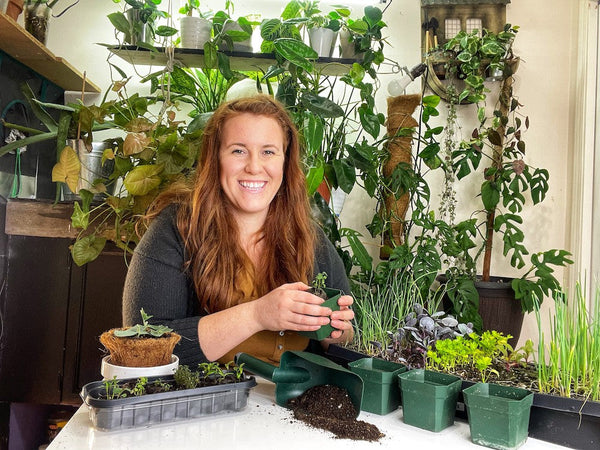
(227, 257)
(251, 163)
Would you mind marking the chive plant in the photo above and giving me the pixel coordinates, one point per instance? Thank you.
(570, 362)
(379, 307)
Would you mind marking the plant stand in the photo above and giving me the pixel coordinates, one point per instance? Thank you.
(429, 398)
(381, 390)
(498, 415)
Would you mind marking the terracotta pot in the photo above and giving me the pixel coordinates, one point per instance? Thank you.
(14, 8)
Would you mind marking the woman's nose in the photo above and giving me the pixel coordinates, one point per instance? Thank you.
(253, 163)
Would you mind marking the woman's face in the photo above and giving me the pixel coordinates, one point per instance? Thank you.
(251, 160)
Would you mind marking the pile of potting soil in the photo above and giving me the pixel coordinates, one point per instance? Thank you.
(330, 408)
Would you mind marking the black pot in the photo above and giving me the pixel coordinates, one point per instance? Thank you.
(565, 421)
(498, 307)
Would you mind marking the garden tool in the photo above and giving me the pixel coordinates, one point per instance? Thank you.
(300, 371)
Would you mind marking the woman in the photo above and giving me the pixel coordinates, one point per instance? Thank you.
(226, 262)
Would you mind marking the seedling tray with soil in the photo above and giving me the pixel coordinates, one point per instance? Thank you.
(166, 406)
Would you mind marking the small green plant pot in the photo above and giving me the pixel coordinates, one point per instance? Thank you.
(429, 398)
(332, 302)
(381, 392)
(498, 415)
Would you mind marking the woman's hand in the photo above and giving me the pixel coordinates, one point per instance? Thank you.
(341, 320)
(290, 307)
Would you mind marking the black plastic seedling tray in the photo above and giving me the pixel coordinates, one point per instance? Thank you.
(163, 407)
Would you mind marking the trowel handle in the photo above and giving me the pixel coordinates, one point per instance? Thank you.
(255, 365)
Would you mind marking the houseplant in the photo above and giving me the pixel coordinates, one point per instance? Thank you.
(331, 297)
(37, 17)
(138, 22)
(507, 182)
(195, 31)
(141, 345)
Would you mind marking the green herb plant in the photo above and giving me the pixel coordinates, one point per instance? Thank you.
(114, 390)
(569, 361)
(145, 329)
(470, 352)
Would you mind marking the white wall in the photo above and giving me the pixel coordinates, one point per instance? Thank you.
(545, 43)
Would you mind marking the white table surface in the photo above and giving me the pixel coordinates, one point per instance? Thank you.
(262, 425)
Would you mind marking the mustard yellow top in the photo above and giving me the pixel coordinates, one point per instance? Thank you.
(265, 345)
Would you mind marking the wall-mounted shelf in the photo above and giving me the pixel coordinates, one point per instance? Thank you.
(242, 61)
(23, 47)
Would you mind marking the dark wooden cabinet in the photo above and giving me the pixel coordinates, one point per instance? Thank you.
(52, 314)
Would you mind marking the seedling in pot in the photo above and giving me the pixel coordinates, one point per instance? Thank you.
(318, 286)
(145, 329)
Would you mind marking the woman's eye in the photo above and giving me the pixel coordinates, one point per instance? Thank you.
(237, 151)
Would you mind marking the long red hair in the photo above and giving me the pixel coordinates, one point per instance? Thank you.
(210, 233)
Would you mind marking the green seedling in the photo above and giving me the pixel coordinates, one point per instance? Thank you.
(145, 329)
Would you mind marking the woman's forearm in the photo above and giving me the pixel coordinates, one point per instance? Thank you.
(219, 332)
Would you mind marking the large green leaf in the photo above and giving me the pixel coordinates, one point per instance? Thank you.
(143, 179)
(313, 133)
(345, 174)
(87, 249)
(314, 178)
(359, 252)
(296, 52)
(321, 106)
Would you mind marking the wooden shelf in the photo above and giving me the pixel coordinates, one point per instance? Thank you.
(39, 218)
(23, 47)
(242, 61)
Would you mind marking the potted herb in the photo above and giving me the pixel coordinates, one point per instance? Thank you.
(331, 297)
(141, 345)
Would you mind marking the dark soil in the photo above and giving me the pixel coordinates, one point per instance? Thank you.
(318, 292)
(330, 408)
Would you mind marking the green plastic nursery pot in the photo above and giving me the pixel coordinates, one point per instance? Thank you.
(381, 392)
(429, 398)
(498, 415)
(332, 302)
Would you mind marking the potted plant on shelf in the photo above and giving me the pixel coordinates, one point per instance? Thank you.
(195, 30)
(37, 17)
(322, 32)
(508, 186)
(138, 22)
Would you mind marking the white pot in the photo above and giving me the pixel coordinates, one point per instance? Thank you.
(322, 40)
(242, 46)
(195, 31)
(109, 371)
(346, 45)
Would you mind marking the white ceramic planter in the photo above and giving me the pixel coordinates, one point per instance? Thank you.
(109, 371)
(322, 40)
(242, 46)
(346, 45)
(194, 31)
